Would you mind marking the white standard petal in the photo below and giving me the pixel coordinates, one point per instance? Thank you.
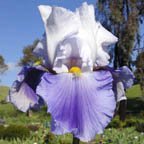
(73, 51)
(41, 51)
(104, 38)
(45, 12)
(59, 23)
(95, 35)
(86, 31)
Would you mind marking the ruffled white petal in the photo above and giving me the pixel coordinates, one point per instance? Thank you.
(87, 29)
(41, 51)
(95, 35)
(59, 24)
(62, 24)
(45, 12)
(104, 38)
(73, 48)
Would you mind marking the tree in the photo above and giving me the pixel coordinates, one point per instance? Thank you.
(3, 66)
(28, 57)
(140, 71)
(123, 18)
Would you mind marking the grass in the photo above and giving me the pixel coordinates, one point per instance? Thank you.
(134, 92)
(110, 136)
(3, 92)
(135, 103)
(118, 135)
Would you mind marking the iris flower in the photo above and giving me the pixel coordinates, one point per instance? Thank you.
(80, 100)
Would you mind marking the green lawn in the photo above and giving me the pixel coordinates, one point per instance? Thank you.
(117, 133)
(3, 92)
(134, 92)
(135, 102)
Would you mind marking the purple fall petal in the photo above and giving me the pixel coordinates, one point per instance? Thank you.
(123, 74)
(82, 105)
(126, 77)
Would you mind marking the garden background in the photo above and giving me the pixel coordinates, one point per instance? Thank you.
(21, 28)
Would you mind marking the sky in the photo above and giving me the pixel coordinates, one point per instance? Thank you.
(20, 25)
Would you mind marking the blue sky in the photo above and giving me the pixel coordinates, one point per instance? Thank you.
(20, 25)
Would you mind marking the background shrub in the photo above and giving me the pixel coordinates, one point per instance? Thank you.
(140, 126)
(14, 131)
(131, 122)
(33, 127)
(115, 123)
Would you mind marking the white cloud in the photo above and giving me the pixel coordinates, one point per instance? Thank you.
(10, 75)
(12, 66)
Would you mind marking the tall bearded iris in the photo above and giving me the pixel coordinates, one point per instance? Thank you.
(81, 101)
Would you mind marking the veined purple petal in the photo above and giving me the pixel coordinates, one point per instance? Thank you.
(123, 74)
(22, 93)
(126, 76)
(82, 105)
(123, 79)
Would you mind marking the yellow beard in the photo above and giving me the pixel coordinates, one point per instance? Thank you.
(75, 70)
